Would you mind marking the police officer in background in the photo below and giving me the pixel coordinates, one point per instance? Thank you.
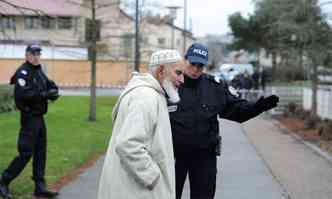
(32, 92)
(195, 127)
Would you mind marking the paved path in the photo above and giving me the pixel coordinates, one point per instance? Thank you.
(303, 172)
(244, 174)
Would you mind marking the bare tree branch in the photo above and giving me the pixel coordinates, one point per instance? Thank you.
(98, 6)
(22, 8)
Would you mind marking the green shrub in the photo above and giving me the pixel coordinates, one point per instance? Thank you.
(312, 121)
(325, 130)
(6, 99)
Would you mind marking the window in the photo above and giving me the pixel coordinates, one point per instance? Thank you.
(161, 41)
(47, 23)
(32, 23)
(65, 23)
(127, 45)
(8, 22)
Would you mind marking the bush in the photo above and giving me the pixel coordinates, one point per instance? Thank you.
(325, 130)
(301, 113)
(6, 99)
(312, 121)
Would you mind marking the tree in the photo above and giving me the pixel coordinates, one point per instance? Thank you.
(94, 31)
(247, 32)
(299, 26)
(288, 29)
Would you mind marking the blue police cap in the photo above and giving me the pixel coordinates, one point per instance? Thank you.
(33, 48)
(197, 53)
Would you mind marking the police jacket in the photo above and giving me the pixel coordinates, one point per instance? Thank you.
(31, 88)
(194, 120)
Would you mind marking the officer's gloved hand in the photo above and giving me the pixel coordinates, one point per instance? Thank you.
(52, 94)
(265, 104)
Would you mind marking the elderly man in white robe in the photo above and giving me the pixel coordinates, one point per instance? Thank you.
(139, 162)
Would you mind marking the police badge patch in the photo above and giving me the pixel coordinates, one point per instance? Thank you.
(233, 91)
(21, 82)
(172, 108)
(24, 72)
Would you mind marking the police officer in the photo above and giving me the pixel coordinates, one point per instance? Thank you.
(195, 126)
(32, 92)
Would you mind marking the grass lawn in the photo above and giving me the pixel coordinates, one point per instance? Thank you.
(72, 140)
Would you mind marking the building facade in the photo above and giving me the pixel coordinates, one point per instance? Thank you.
(63, 23)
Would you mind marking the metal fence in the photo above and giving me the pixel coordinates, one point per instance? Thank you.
(286, 95)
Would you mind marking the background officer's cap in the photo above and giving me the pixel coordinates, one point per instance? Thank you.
(164, 57)
(33, 48)
(197, 53)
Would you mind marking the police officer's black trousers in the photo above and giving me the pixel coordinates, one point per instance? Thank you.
(31, 143)
(201, 166)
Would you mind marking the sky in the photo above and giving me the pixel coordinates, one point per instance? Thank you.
(210, 16)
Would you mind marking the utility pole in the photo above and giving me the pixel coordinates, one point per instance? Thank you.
(184, 26)
(137, 53)
(172, 12)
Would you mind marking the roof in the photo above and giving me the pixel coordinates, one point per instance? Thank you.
(158, 20)
(41, 7)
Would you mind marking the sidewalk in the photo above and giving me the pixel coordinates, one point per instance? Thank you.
(242, 172)
(302, 170)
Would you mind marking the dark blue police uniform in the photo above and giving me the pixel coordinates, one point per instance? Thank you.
(195, 129)
(32, 91)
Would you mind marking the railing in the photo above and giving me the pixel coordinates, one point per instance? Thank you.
(286, 95)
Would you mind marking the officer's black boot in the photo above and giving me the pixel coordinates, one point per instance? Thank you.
(4, 190)
(42, 191)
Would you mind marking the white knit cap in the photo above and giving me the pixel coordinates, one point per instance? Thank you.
(164, 57)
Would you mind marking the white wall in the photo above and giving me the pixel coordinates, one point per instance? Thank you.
(324, 101)
(48, 52)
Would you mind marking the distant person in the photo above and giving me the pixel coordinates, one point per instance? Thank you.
(255, 78)
(33, 89)
(139, 162)
(263, 79)
(247, 81)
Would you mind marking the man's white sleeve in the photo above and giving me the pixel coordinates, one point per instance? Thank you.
(133, 140)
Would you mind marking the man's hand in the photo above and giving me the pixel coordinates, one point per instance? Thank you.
(265, 104)
(151, 186)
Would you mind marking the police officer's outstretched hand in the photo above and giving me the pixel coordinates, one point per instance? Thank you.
(265, 104)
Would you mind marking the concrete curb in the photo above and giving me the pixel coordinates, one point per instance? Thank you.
(313, 147)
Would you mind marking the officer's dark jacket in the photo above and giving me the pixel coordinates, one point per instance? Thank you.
(31, 86)
(194, 119)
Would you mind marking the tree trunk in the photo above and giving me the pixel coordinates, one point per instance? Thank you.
(258, 57)
(274, 64)
(92, 115)
(301, 62)
(314, 86)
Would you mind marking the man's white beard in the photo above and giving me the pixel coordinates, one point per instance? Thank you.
(171, 91)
